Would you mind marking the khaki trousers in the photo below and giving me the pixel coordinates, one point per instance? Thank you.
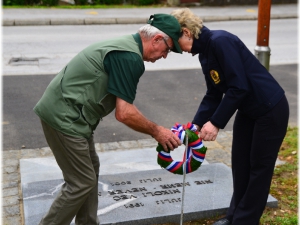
(78, 196)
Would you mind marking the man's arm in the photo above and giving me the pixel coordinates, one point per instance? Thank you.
(129, 115)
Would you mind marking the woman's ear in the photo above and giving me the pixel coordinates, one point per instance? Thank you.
(186, 32)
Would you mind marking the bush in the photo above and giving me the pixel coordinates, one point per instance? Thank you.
(112, 2)
(31, 2)
(81, 2)
(107, 2)
(14, 2)
(49, 2)
(144, 2)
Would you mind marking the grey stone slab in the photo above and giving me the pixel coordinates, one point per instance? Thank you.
(111, 162)
(144, 197)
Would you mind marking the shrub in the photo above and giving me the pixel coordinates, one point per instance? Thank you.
(14, 2)
(81, 2)
(112, 2)
(144, 2)
(49, 2)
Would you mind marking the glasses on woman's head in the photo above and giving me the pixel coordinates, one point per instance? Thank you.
(168, 50)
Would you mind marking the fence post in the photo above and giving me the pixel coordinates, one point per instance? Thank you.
(262, 49)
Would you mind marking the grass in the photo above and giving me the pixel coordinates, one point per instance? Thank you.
(284, 187)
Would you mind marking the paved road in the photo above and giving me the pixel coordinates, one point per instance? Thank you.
(52, 47)
(177, 74)
(165, 97)
(207, 13)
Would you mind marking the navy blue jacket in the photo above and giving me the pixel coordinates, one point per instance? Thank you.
(235, 79)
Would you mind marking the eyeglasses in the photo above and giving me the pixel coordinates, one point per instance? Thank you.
(168, 47)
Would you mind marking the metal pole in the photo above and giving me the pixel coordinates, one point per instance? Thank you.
(262, 49)
(184, 174)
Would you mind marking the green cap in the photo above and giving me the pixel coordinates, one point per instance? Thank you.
(169, 25)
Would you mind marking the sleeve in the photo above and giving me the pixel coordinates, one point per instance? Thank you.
(208, 105)
(227, 51)
(124, 70)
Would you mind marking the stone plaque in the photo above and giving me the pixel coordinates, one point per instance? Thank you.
(145, 197)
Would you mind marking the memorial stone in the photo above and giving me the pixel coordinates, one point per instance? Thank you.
(144, 197)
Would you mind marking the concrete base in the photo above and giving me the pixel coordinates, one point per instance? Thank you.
(142, 194)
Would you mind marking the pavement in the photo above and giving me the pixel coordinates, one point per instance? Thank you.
(218, 151)
(30, 17)
(38, 62)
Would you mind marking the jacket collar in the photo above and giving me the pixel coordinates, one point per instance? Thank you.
(138, 40)
(200, 44)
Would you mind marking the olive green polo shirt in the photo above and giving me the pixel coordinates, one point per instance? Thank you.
(124, 70)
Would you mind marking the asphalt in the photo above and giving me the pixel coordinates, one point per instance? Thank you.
(42, 17)
(219, 150)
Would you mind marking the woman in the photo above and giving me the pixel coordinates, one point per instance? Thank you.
(236, 81)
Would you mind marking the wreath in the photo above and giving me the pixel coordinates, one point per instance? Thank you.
(195, 152)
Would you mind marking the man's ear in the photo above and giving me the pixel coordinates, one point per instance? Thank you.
(157, 37)
(155, 40)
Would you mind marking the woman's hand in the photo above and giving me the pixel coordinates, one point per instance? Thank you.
(209, 132)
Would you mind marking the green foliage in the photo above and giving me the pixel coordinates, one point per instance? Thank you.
(144, 2)
(81, 3)
(125, 2)
(30, 2)
(14, 2)
(49, 2)
(112, 2)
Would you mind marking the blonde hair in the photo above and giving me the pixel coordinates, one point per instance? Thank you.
(189, 20)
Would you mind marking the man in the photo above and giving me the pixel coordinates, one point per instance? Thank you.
(101, 78)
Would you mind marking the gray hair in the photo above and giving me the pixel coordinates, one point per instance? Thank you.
(148, 31)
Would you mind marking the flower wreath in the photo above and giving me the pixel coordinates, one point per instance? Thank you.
(195, 152)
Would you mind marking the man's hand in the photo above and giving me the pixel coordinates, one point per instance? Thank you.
(209, 132)
(129, 115)
(166, 138)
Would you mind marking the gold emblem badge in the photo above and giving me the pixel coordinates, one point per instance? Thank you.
(215, 76)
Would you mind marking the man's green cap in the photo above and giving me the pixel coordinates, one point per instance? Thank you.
(169, 25)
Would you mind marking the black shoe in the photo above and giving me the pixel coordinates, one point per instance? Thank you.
(222, 221)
